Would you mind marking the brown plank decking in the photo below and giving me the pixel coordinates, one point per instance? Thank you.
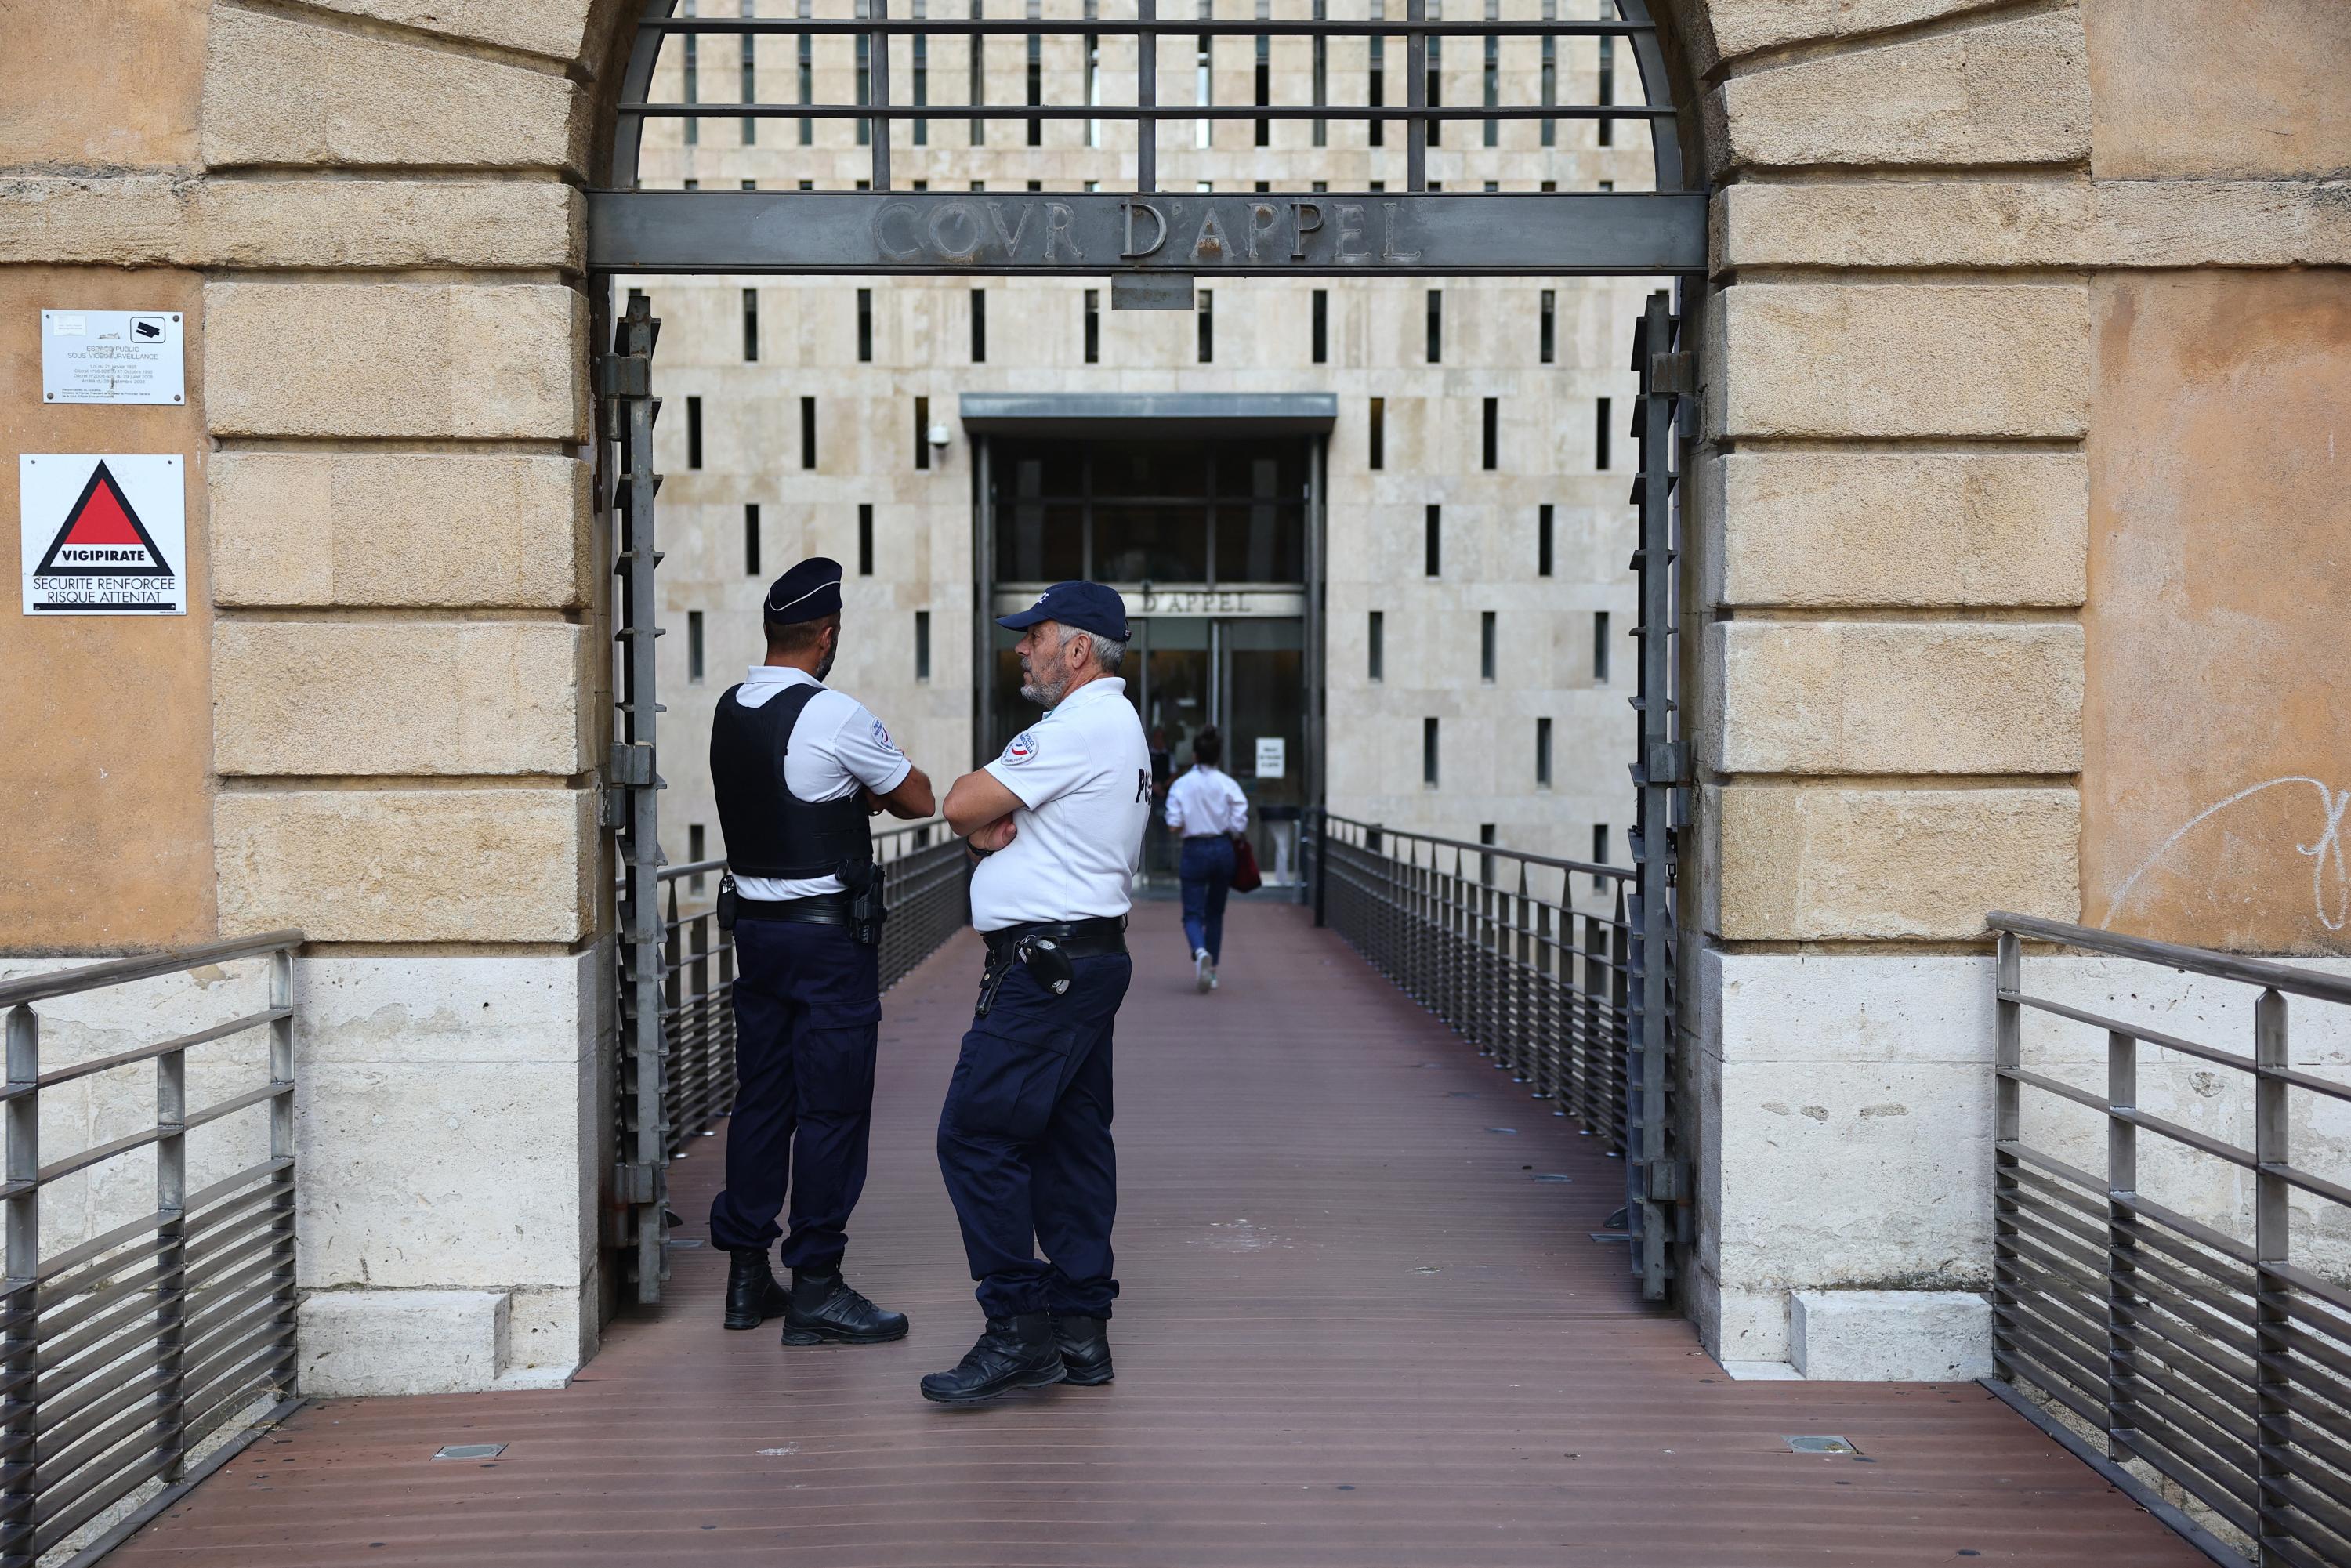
(1356, 1331)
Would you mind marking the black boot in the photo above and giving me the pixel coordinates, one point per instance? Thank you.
(1015, 1353)
(753, 1296)
(1085, 1349)
(822, 1308)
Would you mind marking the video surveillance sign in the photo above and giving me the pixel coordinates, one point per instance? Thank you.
(113, 356)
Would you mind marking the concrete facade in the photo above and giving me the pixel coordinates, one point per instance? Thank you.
(2044, 286)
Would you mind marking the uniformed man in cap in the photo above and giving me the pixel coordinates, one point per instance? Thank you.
(1057, 822)
(799, 770)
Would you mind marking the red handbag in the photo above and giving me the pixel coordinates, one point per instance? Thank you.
(1246, 876)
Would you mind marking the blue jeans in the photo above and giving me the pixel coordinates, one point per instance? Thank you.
(1207, 873)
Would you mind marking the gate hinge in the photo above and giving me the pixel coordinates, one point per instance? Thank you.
(612, 808)
(630, 766)
(1675, 373)
(633, 1183)
(624, 375)
(1667, 763)
(1663, 1181)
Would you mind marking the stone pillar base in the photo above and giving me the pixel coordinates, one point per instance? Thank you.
(362, 1342)
(1889, 1336)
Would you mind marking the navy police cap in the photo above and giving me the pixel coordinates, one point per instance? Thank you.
(809, 592)
(1081, 606)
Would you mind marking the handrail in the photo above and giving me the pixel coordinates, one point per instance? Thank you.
(718, 862)
(2262, 972)
(1586, 868)
(142, 966)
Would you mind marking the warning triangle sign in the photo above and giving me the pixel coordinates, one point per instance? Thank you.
(102, 537)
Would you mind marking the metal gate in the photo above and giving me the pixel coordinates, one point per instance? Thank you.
(1151, 243)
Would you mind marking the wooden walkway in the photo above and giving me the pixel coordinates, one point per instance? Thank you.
(1364, 1323)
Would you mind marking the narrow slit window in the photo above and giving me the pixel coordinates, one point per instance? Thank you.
(1603, 425)
(1036, 87)
(865, 538)
(1376, 642)
(864, 87)
(1094, 81)
(1207, 318)
(1493, 81)
(697, 849)
(808, 432)
(1491, 435)
(1607, 128)
(750, 83)
(976, 91)
(921, 87)
(1264, 88)
(1548, 339)
(693, 644)
(1432, 541)
(1436, 345)
(1093, 327)
(1376, 85)
(1379, 429)
(1435, 87)
(922, 644)
(1321, 326)
(751, 326)
(1322, 130)
(1543, 753)
(979, 326)
(1600, 647)
(693, 433)
(751, 539)
(1486, 647)
(693, 81)
(1549, 88)
(1543, 541)
(865, 326)
(806, 73)
(922, 432)
(1599, 852)
(1428, 752)
(1486, 861)
(1204, 84)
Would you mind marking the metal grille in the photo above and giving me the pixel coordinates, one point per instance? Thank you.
(1140, 226)
(2210, 1348)
(122, 1351)
(1492, 941)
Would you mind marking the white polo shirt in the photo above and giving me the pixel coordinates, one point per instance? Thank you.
(1205, 802)
(836, 746)
(1084, 775)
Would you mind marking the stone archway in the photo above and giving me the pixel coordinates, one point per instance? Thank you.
(1936, 228)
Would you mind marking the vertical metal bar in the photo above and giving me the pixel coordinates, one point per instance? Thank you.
(880, 48)
(2008, 1056)
(22, 1305)
(2272, 1224)
(2122, 1238)
(170, 1240)
(1321, 866)
(983, 621)
(1146, 96)
(1416, 97)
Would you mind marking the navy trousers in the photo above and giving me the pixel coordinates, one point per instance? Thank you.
(1025, 1146)
(807, 1014)
(1207, 873)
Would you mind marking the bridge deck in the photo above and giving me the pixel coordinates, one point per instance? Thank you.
(1357, 1330)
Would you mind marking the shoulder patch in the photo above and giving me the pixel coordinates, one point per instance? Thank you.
(1023, 747)
(882, 736)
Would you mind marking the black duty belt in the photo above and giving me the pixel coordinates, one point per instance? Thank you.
(824, 909)
(1077, 938)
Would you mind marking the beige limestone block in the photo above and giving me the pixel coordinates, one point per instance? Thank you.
(1739, 28)
(323, 697)
(558, 29)
(466, 361)
(1874, 696)
(1900, 359)
(2007, 92)
(409, 865)
(2029, 222)
(110, 87)
(1839, 529)
(184, 220)
(279, 92)
(1824, 862)
(2249, 88)
(438, 529)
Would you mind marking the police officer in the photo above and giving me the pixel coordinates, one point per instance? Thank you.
(1024, 1139)
(798, 769)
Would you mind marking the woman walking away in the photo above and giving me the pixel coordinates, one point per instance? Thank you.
(1207, 809)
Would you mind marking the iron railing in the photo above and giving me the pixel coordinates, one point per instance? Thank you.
(1503, 946)
(131, 1335)
(2186, 1304)
(924, 882)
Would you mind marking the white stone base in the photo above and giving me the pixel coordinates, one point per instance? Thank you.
(1761, 1372)
(1889, 1336)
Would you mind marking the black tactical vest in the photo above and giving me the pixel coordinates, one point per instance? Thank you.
(770, 831)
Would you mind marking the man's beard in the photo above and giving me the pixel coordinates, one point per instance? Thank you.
(1035, 689)
(824, 665)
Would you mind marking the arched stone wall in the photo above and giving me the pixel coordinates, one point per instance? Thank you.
(1965, 255)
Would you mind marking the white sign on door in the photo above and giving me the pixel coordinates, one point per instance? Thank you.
(1272, 756)
(103, 535)
(113, 356)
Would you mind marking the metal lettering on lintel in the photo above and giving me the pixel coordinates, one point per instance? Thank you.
(1100, 233)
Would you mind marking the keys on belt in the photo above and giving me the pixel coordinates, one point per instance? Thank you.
(1042, 955)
